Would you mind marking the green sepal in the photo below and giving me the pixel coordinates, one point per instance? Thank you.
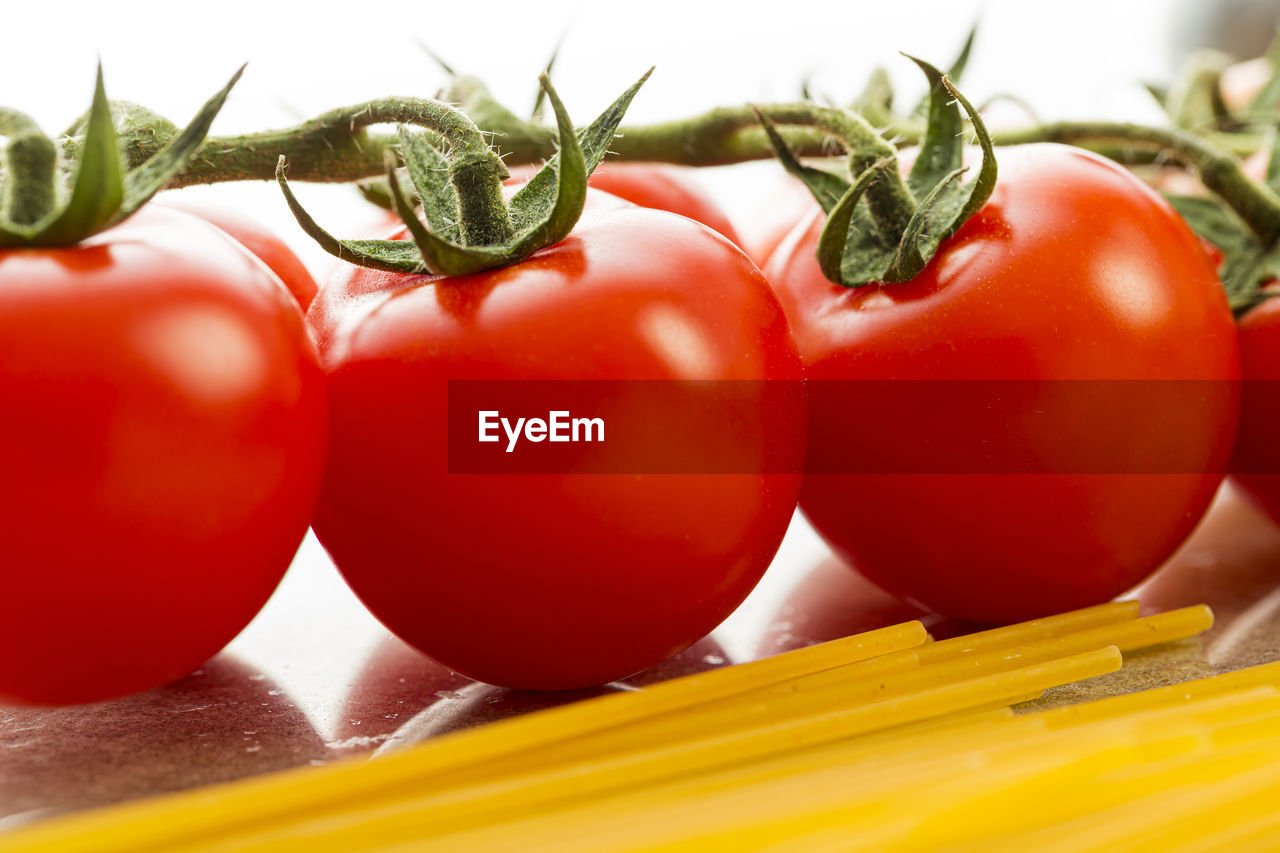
(97, 188)
(534, 201)
(984, 184)
(875, 101)
(390, 255)
(857, 248)
(428, 169)
(1248, 266)
(101, 192)
(1267, 100)
(543, 212)
(1272, 177)
(909, 260)
(376, 192)
(1209, 218)
(1158, 93)
(1194, 101)
(141, 184)
(942, 147)
(436, 254)
(827, 188)
(836, 233)
(552, 201)
(954, 71)
(540, 97)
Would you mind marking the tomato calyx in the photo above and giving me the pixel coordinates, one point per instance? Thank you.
(893, 236)
(470, 95)
(1234, 102)
(1250, 256)
(1244, 232)
(467, 225)
(1248, 263)
(875, 101)
(43, 207)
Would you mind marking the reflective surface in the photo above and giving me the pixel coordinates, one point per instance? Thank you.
(316, 679)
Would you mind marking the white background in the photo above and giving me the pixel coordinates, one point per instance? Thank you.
(1082, 59)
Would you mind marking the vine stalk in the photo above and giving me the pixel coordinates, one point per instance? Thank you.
(338, 147)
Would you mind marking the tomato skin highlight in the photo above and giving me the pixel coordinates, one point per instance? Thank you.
(1074, 270)
(549, 581)
(260, 240)
(163, 447)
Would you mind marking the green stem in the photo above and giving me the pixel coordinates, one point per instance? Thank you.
(337, 147)
(1220, 171)
(30, 188)
(889, 200)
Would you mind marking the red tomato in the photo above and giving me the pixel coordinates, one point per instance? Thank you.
(783, 208)
(1074, 270)
(655, 185)
(550, 581)
(1256, 453)
(1259, 331)
(255, 237)
(162, 450)
(830, 602)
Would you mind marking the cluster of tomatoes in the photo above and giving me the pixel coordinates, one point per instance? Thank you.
(173, 424)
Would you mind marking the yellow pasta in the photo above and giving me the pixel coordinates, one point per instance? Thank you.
(1173, 694)
(645, 767)
(893, 800)
(256, 801)
(863, 737)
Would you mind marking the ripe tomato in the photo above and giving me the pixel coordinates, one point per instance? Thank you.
(655, 185)
(830, 602)
(162, 450)
(551, 580)
(1074, 270)
(1256, 462)
(254, 236)
(781, 209)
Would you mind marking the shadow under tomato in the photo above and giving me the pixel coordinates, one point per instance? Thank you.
(834, 601)
(224, 721)
(473, 703)
(1232, 564)
(396, 682)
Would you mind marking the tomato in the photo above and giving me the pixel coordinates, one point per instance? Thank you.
(437, 701)
(782, 208)
(1256, 462)
(255, 237)
(552, 580)
(830, 602)
(1229, 563)
(1073, 270)
(659, 186)
(162, 448)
